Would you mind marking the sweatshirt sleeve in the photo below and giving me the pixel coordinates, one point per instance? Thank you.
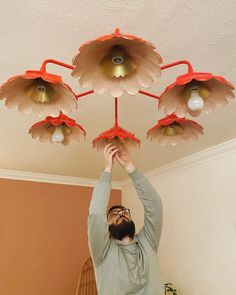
(153, 210)
(98, 232)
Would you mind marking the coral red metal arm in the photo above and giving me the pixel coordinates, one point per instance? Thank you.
(84, 94)
(176, 63)
(116, 111)
(140, 91)
(148, 94)
(62, 64)
(173, 64)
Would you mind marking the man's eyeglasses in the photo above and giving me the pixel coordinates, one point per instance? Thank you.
(116, 212)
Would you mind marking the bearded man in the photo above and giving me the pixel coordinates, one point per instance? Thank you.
(125, 263)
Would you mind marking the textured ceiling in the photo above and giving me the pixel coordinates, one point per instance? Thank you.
(31, 31)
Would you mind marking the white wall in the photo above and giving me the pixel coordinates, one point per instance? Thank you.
(198, 245)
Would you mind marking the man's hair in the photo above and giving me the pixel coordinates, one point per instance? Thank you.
(115, 207)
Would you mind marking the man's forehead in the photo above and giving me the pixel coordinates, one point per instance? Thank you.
(117, 209)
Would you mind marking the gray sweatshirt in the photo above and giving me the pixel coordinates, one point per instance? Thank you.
(122, 269)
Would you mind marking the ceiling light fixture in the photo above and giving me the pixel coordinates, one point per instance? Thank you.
(116, 64)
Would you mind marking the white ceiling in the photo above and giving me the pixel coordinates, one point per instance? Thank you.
(201, 31)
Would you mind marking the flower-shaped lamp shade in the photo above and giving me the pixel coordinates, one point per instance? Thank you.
(173, 130)
(38, 92)
(57, 130)
(116, 136)
(195, 93)
(117, 63)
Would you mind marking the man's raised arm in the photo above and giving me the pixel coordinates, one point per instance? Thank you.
(153, 211)
(98, 233)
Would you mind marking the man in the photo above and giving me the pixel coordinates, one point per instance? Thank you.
(125, 263)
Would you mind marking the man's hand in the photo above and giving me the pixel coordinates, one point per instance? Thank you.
(109, 152)
(124, 159)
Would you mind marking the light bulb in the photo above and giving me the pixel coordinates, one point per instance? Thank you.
(58, 135)
(195, 102)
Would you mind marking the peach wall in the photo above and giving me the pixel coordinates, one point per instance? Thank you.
(43, 236)
(198, 243)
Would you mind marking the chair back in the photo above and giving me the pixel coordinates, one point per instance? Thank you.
(87, 283)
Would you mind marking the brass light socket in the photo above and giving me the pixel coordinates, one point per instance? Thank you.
(172, 130)
(118, 63)
(40, 91)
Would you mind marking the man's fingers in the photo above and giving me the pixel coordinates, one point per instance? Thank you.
(110, 149)
(113, 152)
(107, 147)
(118, 158)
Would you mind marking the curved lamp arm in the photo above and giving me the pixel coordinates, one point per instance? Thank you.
(176, 63)
(62, 64)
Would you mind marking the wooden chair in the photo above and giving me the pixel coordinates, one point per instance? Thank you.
(87, 283)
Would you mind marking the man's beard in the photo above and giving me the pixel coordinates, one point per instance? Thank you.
(125, 229)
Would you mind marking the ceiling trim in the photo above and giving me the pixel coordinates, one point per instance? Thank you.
(201, 157)
(51, 178)
(210, 154)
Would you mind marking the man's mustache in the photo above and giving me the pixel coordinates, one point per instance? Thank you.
(123, 217)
